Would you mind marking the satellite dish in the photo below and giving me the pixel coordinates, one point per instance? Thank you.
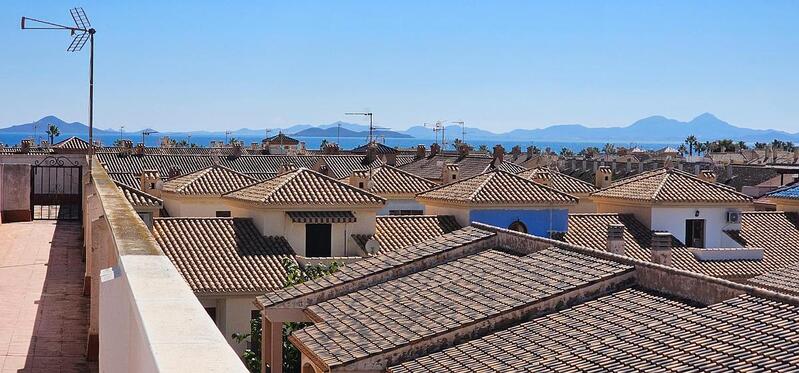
(372, 246)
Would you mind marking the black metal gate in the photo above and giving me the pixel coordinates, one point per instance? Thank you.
(56, 189)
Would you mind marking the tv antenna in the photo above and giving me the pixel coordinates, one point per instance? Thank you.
(146, 133)
(121, 132)
(227, 133)
(463, 129)
(81, 32)
(371, 124)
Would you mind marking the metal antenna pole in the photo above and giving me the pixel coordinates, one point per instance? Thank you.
(371, 124)
(82, 32)
(91, 96)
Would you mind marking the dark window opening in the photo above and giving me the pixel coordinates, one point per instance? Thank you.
(317, 240)
(454, 177)
(152, 185)
(211, 312)
(223, 214)
(406, 212)
(518, 226)
(360, 185)
(695, 232)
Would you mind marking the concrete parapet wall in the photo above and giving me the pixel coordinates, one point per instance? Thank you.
(147, 318)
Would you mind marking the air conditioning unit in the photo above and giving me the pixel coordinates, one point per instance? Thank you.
(733, 217)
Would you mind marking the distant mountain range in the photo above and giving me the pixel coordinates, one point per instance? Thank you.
(652, 129)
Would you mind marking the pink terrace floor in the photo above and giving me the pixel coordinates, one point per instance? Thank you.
(43, 313)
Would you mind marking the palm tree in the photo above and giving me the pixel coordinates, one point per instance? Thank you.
(566, 152)
(742, 145)
(609, 149)
(682, 149)
(691, 142)
(53, 132)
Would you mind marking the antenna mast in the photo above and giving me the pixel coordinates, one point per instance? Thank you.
(82, 31)
(371, 124)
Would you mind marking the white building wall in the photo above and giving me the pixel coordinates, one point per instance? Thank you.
(277, 223)
(232, 316)
(194, 207)
(672, 219)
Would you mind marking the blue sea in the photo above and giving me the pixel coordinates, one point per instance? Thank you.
(350, 142)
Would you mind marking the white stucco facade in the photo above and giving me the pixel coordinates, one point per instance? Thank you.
(276, 222)
(672, 220)
(194, 206)
(233, 315)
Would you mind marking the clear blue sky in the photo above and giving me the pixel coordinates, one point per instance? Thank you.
(497, 65)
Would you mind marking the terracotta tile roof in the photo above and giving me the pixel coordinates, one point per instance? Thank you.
(403, 159)
(73, 142)
(746, 333)
(214, 180)
(468, 166)
(775, 232)
(559, 181)
(391, 261)
(388, 181)
(221, 255)
(671, 186)
(126, 178)
(381, 149)
(282, 139)
(498, 188)
(341, 166)
(516, 348)
(304, 188)
(399, 231)
(442, 299)
(785, 280)
(137, 198)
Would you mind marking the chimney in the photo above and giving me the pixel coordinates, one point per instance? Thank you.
(516, 151)
(360, 179)
(499, 154)
(254, 146)
(331, 149)
(573, 163)
(450, 173)
(235, 150)
(286, 168)
(150, 180)
(371, 153)
(584, 165)
(434, 149)
(174, 172)
(629, 165)
(324, 170)
(661, 248)
(640, 166)
(530, 152)
(603, 177)
(140, 149)
(707, 175)
(542, 176)
(420, 151)
(265, 147)
(616, 238)
(25, 146)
